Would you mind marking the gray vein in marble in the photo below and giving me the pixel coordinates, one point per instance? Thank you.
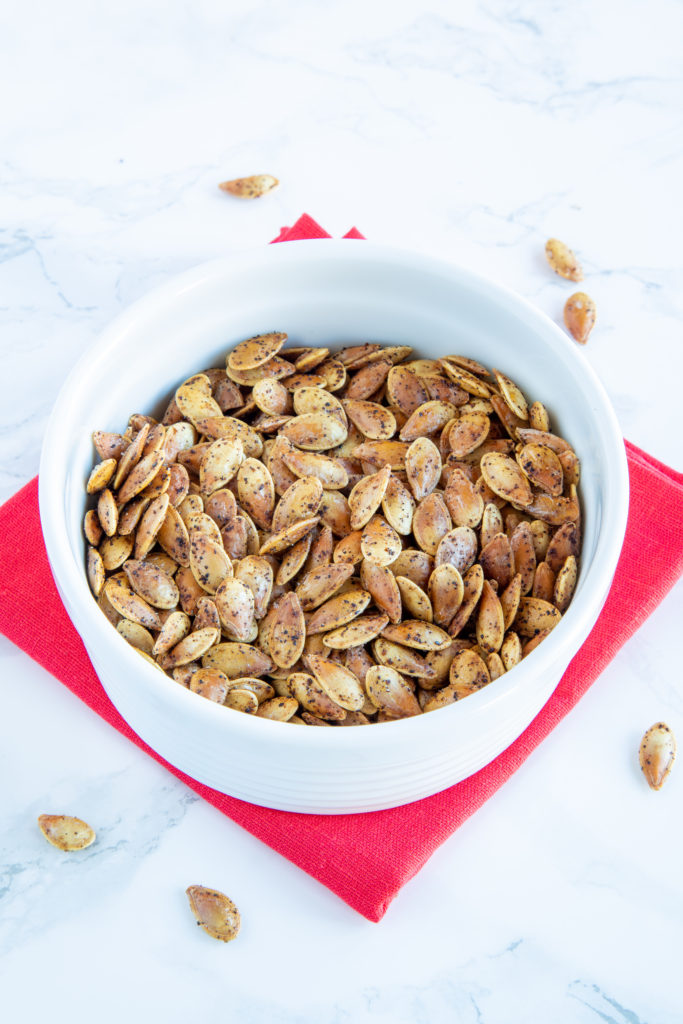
(606, 1004)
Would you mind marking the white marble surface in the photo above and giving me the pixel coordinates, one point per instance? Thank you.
(471, 131)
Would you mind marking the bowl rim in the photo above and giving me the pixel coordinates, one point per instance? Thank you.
(71, 578)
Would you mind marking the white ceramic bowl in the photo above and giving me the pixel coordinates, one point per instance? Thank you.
(332, 293)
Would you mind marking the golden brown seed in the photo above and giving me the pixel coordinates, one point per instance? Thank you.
(380, 582)
(252, 187)
(565, 584)
(490, 621)
(423, 467)
(512, 396)
(95, 569)
(423, 636)
(464, 502)
(210, 683)
(389, 692)
(313, 698)
(235, 603)
(100, 476)
(321, 583)
(337, 611)
(278, 709)
(431, 522)
(543, 467)
(288, 632)
(535, 615)
(505, 478)
(359, 631)
(579, 316)
(467, 432)
(215, 913)
(338, 682)
(380, 543)
(366, 497)
(416, 604)
(446, 590)
(562, 260)
(107, 512)
(657, 754)
(65, 832)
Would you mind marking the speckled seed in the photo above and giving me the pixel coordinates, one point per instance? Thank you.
(256, 492)
(313, 698)
(458, 548)
(373, 420)
(300, 501)
(389, 692)
(210, 683)
(108, 445)
(491, 524)
(490, 621)
(497, 560)
(431, 522)
(131, 455)
(237, 659)
(279, 542)
(544, 582)
(257, 573)
(359, 631)
(565, 584)
(505, 478)
(468, 431)
(107, 512)
(555, 511)
(337, 611)
(288, 632)
(366, 497)
(524, 554)
(379, 453)
(191, 648)
(511, 651)
(330, 472)
(348, 549)
(423, 467)
(235, 603)
(315, 431)
(175, 628)
(92, 528)
(446, 591)
(208, 561)
(473, 583)
(403, 659)
(380, 543)
(129, 605)
(219, 464)
(416, 604)
(136, 635)
(657, 754)
(535, 615)
(430, 417)
(423, 636)
(562, 260)
(468, 673)
(398, 506)
(152, 583)
(367, 381)
(256, 351)
(509, 600)
(543, 467)
(380, 582)
(101, 475)
(464, 502)
(173, 537)
(338, 682)
(215, 913)
(65, 832)
(321, 583)
(512, 395)
(278, 709)
(253, 187)
(95, 570)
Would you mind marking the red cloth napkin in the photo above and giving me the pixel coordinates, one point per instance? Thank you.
(364, 858)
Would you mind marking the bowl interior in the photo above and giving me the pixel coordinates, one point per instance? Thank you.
(330, 293)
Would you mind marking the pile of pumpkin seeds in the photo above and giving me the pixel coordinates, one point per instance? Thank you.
(335, 539)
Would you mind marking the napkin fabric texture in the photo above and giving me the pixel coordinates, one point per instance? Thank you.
(364, 858)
